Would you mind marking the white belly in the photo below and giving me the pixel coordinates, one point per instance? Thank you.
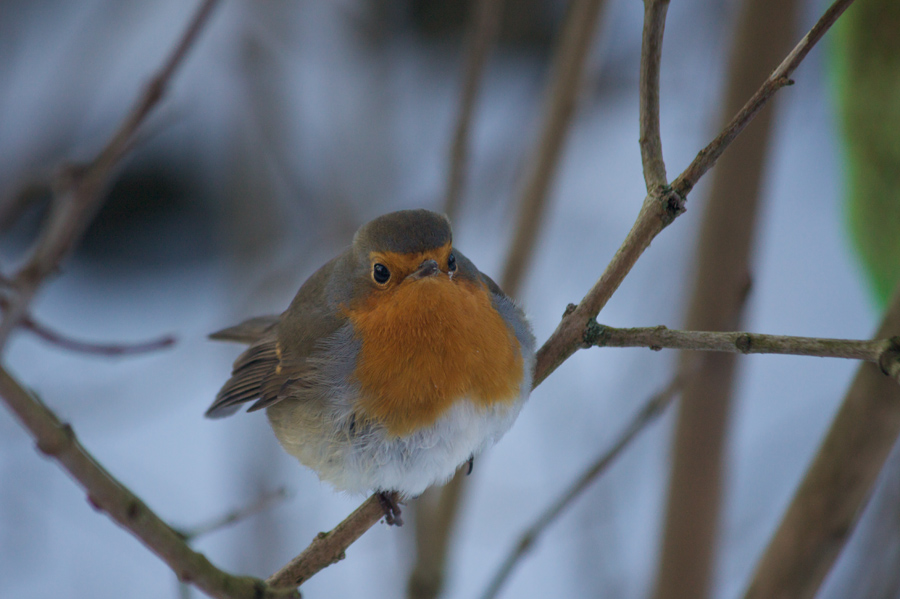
(366, 459)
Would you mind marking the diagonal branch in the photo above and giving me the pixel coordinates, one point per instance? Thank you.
(72, 211)
(328, 547)
(87, 347)
(70, 215)
(262, 503)
(780, 77)
(651, 410)
(57, 440)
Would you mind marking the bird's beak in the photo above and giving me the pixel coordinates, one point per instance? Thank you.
(428, 268)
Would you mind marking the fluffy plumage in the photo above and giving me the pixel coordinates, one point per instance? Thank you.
(387, 385)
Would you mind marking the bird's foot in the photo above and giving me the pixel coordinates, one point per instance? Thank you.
(390, 503)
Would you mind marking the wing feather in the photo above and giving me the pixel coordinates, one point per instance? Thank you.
(251, 370)
(276, 365)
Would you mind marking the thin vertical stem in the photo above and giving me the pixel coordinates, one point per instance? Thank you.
(482, 36)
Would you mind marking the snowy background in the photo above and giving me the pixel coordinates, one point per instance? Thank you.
(294, 122)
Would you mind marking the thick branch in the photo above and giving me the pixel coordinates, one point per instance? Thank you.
(648, 414)
(72, 212)
(763, 36)
(656, 213)
(482, 35)
(661, 207)
(651, 56)
(836, 488)
(57, 440)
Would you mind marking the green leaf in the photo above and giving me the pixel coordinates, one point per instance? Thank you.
(866, 61)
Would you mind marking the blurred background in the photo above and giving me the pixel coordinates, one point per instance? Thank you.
(292, 123)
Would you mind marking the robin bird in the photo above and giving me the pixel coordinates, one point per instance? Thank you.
(396, 362)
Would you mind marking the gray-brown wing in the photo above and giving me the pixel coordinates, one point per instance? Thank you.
(251, 377)
(278, 354)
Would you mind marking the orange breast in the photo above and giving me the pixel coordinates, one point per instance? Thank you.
(426, 344)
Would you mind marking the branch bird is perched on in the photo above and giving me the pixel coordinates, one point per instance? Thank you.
(396, 362)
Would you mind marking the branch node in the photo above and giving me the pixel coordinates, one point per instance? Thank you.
(133, 510)
(744, 343)
(569, 309)
(593, 334)
(674, 204)
(259, 589)
(55, 446)
(889, 360)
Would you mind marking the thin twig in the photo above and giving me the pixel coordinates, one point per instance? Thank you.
(482, 35)
(57, 440)
(88, 347)
(651, 56)
(72, 212)
(649, 412)
(879, 351)
(104, 349)
(660, 208)
(778, 79)
(264, 502)
(567, 74)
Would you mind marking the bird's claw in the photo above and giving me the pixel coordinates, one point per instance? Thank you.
(391, 506)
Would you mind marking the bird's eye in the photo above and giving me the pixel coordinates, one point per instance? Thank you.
(380, 274)
(451, 262)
